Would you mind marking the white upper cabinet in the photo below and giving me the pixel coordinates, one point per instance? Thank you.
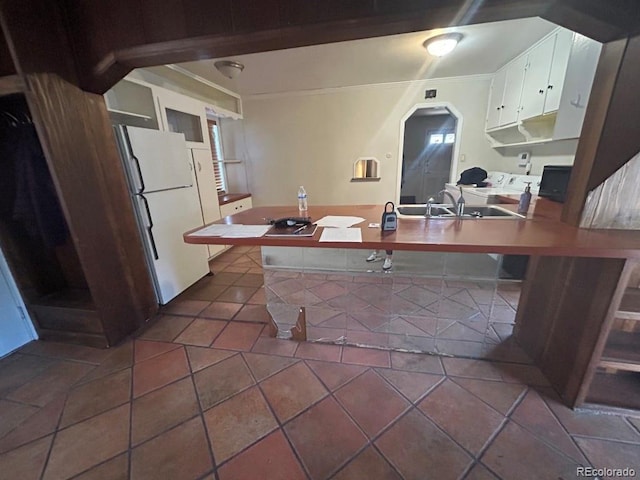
(504, 99)
(495, 99)
(545, 91)
(130, 103)
(182, 114)
(544, 77)
(561, 54)
(513, 91)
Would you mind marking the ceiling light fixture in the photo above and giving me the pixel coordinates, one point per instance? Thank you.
(440, 45)
(229, 68)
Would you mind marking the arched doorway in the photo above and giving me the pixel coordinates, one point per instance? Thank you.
(429, 150)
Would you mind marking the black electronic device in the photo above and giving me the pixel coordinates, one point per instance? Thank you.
(554, 182)
(288, 222)
(389, 219)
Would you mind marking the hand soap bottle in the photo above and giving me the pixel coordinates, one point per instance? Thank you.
(525, 200)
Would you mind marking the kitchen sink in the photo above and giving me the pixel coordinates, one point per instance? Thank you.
(419, 210)
(448, 211)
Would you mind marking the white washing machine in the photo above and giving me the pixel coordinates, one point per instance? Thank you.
(501, 183)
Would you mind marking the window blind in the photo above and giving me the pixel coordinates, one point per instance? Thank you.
(216, 155)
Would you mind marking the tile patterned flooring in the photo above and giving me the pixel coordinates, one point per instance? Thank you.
(203, 393)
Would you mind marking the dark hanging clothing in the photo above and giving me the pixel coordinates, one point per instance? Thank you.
(475, 175)
(29, 185)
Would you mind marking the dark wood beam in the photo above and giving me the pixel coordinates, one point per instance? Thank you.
(601, 20)
(112, 39)
(36, 38)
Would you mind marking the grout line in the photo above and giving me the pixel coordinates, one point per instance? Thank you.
(55, 435)
(280, 425)
(201, 413)
(538, 437)
(635, 427)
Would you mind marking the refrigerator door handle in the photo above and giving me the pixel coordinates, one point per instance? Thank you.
(150, 227)
(140, 179)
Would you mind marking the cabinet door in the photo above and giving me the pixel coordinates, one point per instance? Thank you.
(536, 79)
(561, 53)
(513, 91)
(130, 103)
(203, 166)
(495, 99)
(236, 207)
(182, 114)
(205, 178)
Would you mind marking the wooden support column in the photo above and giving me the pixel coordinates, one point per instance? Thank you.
(563, 308)
(75, 132)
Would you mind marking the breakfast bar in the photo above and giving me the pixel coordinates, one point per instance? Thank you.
(446, 278)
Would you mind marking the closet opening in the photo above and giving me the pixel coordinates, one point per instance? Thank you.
(34, 234)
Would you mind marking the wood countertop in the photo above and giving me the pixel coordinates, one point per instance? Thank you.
(540, 234)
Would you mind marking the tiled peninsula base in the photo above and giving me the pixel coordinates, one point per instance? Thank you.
(440, 303)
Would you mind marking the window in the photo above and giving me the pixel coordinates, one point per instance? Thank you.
(216, 155)
(439, 138)
(435, 138)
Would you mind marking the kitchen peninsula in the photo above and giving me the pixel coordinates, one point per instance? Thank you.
(561, 326)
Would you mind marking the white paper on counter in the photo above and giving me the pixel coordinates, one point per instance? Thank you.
(232, 231)
(246, 231)
(341, 235)
(338, 221)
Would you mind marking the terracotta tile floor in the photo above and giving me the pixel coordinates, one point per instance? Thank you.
(205, 394)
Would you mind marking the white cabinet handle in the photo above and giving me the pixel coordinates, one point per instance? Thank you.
(199, 167)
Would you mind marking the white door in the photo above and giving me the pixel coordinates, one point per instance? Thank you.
(176, 264)
(157, 159)
(15, 327)
(536, 79)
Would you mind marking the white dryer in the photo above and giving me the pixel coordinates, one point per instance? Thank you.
(500, 183)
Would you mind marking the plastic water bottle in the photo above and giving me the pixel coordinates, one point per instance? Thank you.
(303, 206)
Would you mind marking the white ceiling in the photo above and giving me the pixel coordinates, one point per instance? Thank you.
(484, 49)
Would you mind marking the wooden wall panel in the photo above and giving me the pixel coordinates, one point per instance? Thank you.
(76, 136)
(534, 318)
(564, 305)
(6, 62)
(249, 15)
(208, 18)
(37, 39)
(163, 21)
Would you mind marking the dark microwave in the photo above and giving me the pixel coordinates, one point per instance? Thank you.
(554, 182)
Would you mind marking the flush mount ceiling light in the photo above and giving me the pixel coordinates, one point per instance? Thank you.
(228, 68)
(440, 45)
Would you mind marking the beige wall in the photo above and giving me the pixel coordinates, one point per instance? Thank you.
(313, 138)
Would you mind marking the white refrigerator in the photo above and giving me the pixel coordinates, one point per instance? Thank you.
(165, 198)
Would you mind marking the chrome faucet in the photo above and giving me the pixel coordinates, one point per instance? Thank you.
(448, 194)
(427, 212)
(458, 204)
